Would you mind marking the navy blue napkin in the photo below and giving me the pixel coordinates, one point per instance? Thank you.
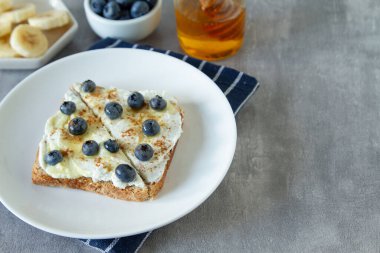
(236, 85)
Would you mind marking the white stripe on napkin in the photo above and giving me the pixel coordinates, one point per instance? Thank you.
(202, 65)
(234, 83)
(218, 73)
(246, 99)
(111, 245)
(142, 242)
(114, 44)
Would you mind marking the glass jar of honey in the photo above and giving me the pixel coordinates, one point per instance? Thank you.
(210, 29)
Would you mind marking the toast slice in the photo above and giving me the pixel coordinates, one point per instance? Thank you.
(128, 129)
(95, 173)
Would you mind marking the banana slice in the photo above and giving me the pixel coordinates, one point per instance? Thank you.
(6, 50)
(5, 26)
(5, 5)
(29, 41)
(50, 19)
(20, 12)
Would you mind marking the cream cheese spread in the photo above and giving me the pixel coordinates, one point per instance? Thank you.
(128, 128)
(100, 167)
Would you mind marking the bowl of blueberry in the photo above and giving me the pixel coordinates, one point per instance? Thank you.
(130, 20)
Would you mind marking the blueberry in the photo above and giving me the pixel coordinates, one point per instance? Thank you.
(136, 100)
(97, 6)
(158, 103)
(111, 146)
(125, 15)
(144, 152)
(88, 86)
(77, 126)
(113, 110)
(150, 127)
(139, 8)
(151, 3)
(53, 157)
(125, 3)
(90, 148)
(111, 10)
(68, 107)
(125, 173)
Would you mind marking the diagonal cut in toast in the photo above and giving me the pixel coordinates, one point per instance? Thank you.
(127, 129)
(98, 173)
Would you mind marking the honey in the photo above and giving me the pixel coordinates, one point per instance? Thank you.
(210, 32)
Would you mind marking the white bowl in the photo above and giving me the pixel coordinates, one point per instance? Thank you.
(33, 63)
(129, 30)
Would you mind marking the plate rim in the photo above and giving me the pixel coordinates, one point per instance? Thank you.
(62, 232)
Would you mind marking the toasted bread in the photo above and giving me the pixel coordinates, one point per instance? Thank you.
(131, 192)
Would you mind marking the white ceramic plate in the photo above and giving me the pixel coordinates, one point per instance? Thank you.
(202, 158)
(32, 63)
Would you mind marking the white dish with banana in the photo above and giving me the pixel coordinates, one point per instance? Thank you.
(33, 31)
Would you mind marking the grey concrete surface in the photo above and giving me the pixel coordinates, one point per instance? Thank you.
(306, 173)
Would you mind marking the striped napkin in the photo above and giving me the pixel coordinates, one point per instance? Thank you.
(238, 88)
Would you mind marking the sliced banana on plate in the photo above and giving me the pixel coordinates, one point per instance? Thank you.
(50, 19)
(5, 5)
(6, 50)
(20, 12)
(5, 26)
(29, 41)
